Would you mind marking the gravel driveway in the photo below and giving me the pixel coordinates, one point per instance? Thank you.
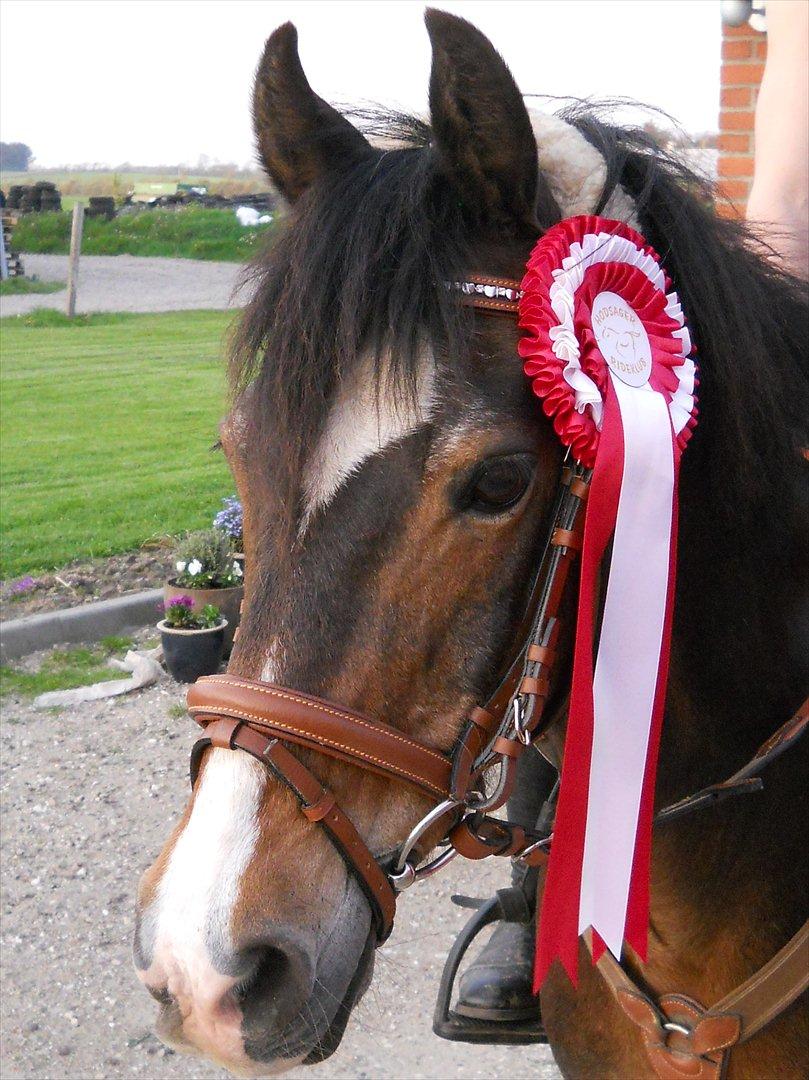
(130, 283)
(88, 794)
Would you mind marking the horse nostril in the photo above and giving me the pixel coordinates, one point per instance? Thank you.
(161, 995)
(279, 984)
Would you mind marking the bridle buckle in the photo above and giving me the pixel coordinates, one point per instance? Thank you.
(519, 722)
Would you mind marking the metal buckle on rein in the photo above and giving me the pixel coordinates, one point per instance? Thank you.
(520, 728)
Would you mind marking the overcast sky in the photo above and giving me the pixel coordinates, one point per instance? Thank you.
(164, 81)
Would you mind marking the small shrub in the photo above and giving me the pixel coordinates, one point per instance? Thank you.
(180, 614)
(204, 561)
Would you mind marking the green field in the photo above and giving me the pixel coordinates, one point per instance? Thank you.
(190, 233)
(107, 426)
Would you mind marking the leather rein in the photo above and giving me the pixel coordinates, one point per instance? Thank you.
(477, 776)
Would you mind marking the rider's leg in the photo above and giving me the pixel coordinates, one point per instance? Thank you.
(497, 985)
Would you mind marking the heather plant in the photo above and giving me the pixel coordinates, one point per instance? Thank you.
(179, 614)
(204, 561)
(231, 521)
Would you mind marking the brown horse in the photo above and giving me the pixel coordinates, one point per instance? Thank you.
(396, 474)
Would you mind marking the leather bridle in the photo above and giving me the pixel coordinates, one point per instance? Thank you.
(261, 718)
(477, 776)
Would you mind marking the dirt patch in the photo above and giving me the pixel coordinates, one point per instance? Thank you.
(90, 793)
(87, 580)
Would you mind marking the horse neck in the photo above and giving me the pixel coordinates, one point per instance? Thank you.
(738, 672)
(740, 655)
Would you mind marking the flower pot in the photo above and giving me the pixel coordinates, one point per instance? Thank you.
(190, 654)
(228, 601)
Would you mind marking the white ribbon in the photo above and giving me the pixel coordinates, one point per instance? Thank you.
(628, 660)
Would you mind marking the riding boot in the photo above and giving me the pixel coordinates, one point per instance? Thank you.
(498, 984)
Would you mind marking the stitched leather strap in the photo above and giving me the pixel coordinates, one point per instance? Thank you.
(316, 803)
(323, 726)
(745, 778)
(772, 989)
(699, 1051)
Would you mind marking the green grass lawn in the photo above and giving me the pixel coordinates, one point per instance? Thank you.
(17, 286)
(190, 233)
(107, 426)
(64, 669)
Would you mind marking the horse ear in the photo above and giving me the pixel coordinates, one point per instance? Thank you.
(299, 136)
(482, 130)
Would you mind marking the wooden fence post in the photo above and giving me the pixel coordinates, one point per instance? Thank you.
(75, 251)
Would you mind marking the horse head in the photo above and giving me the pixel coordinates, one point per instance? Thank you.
(395, 475)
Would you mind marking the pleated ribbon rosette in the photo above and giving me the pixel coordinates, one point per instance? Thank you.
(607, 350)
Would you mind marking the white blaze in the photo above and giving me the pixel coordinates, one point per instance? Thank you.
(361, 424)
(195, 899)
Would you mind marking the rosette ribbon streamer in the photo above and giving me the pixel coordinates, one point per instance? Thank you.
(607, 350)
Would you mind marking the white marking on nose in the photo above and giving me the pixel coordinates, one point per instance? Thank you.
(361, 424)
(198, 891)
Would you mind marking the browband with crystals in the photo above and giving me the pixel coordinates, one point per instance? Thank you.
(489, 293)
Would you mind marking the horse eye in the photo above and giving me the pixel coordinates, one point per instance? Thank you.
(498, 484)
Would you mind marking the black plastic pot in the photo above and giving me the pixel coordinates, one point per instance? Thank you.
(189, 654)
(229, 602)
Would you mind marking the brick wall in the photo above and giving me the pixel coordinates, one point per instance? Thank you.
(744, 52)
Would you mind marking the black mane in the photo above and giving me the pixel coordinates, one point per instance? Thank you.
(354, 274)
(360, 273)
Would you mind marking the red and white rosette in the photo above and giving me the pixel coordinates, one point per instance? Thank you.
(608, 352)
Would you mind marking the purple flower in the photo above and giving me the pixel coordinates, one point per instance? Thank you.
(230, 520)
(24, 585)
(179, 601)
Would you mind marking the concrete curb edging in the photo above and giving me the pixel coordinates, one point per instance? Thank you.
(87, 622)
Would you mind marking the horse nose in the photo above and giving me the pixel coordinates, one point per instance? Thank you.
(244, 996)
(276, 980)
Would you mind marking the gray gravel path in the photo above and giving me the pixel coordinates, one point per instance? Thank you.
(130, 283)
(88, 795)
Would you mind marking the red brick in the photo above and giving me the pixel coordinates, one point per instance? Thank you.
(737, 142)
(736, 121)
(745, 30)
(742, 74)
(740, 49)
(761, 49)
(735, 96)
(733, 189)
(730, 209)
(739, 165)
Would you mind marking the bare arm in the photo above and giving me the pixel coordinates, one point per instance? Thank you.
(780, 195)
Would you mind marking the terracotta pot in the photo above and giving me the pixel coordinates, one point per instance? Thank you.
(227, 600)
(190, 654)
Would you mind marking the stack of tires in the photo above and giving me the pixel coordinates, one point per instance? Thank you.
(49, 198)
(15, 194)
(101, 206)
(41, 196)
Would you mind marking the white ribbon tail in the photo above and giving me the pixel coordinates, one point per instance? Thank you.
(628, 660)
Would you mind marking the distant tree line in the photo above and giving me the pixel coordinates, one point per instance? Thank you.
(15, 156)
